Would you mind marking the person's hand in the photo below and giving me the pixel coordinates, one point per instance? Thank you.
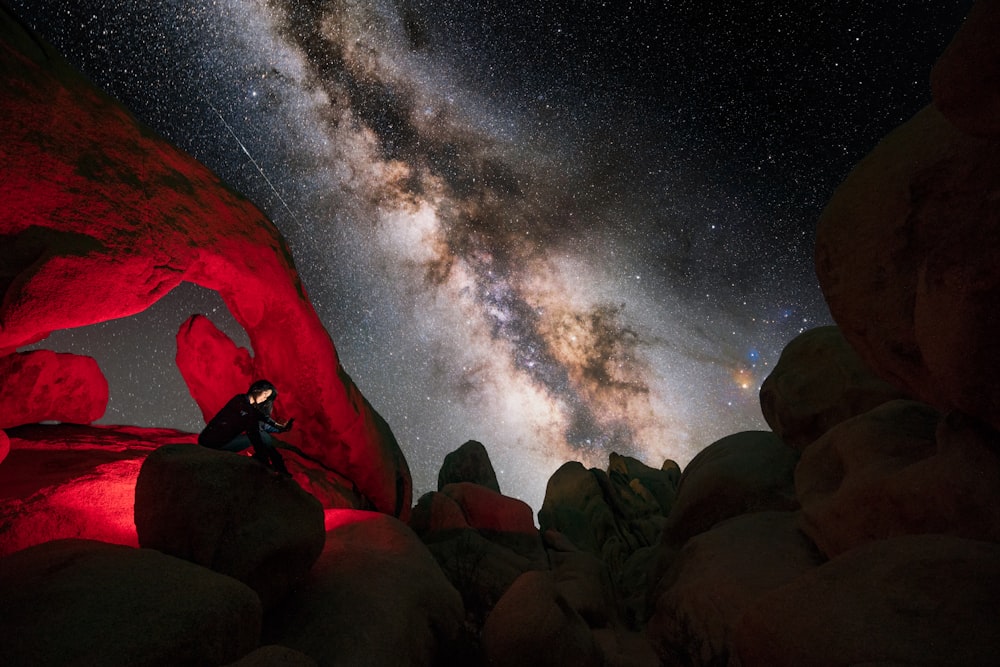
(288, 425)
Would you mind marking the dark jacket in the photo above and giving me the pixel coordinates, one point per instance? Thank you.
(237, 417)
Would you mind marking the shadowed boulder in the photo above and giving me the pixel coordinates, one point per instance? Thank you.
(925, 600)
(86, 603)
(272, 656)
(468, 463)
(228, 513)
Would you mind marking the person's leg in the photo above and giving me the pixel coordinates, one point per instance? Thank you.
(237, 444)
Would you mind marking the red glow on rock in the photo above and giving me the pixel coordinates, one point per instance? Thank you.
(45, 386)
(336, 518)
(213, 367)
(485, 509)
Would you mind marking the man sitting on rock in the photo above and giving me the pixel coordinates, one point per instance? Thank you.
(246, 420)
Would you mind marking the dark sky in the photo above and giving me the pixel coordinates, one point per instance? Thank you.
(563, 229)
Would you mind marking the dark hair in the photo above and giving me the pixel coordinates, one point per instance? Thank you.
(260, 386)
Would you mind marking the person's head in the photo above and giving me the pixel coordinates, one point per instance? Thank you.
(261, 391)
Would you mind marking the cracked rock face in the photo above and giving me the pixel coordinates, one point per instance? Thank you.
(102, 218)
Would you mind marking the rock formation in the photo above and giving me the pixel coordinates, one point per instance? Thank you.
(43, 386)
(101, 218)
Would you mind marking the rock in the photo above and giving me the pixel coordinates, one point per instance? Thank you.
(375, 597)
(905, 255)
(4, 446)
(922, 600)
(966, 78)
(45, 386)
(742, 473)
(489, 510)
(818, 382)
(717, 575)
(648, 490)
(533, 625)
(81, 602)
(63, 481)
(103, 218)
(897, 471)
(228, 513)
(272, 655)
(213, 367)
(468, 463)
(436, 512)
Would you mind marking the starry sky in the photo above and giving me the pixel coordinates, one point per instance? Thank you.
(563, 229)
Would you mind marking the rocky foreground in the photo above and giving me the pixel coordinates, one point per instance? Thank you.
(862, 529)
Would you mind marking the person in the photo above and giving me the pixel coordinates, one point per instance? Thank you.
(246, 420)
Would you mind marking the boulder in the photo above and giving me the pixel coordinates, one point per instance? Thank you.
(716, 576)
(228, 513)
(213, 367)
(46, 386)
(966, 79)
(489, 510)
(900, 470)
(375, 597)
(533, 624)
(905, 255)
(468, 463)
(917, 600)
(647, 490)
(742, 473)
(818, 382)
(272, 655)
(4, 445)
(82, 602)
(102, 218)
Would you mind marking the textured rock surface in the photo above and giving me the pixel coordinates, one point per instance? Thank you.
(272, 655)
(818, 382)
(81, 602)
(213, 367)
(468, 463)
(45, 386)
(228, 513)
(966, 79)
(102, 218)
(62, 481)
(745, 472)
(716, 576)
(898, 470)
(533, 624)
(906, 257)
(375, 597)
(927, 600)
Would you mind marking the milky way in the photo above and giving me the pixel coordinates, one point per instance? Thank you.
(563, 230)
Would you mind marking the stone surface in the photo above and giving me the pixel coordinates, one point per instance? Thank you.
(489, 510)
(375, 597)
(213, 367)
(48, 386)
(469, 463)
(966, 79)
(818, 382)
(86, 603)
(63, 481)
(924, 600)
(899, 470)
(273, 656)
(716, 576)
(533, 624)
(4, 445)
(905, 255)
(102, 218)
(228, 513)
(745, 472)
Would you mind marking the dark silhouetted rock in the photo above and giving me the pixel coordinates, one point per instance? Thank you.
(45, 386)
(906, 257)
(926, 600)
(717, 575)
(647, 491)
(214, 368)
(64, 481)
(897, 470)
(745, 472)
(966, 78)
(468, 463)
(86, 603)
(818, 382)
(273, 656)
(533, 624)
(228, 513)
(376, 597)
(102, 218)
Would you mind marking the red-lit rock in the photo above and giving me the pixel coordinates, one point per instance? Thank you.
(375, 597)
(81, 602)
(228, 513)
(485, 509)
(4, 446)
(102, 218)
(45, 386)
(436, 512)
(213, 367)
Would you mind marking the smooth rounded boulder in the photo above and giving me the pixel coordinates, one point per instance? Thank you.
(469, 463)
(91, 604)
(228, 513)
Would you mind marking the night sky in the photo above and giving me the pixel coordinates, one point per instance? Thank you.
(563, 229)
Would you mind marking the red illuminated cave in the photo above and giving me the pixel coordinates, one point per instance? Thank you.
(101, 218)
